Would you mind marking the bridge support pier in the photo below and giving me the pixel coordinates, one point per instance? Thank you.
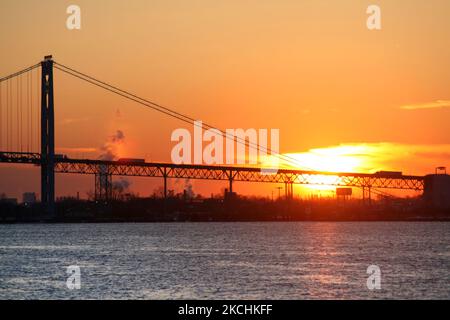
(164, 172)
(47, 138)
(103, 184)
(289, 190)
(367, 195)
(230, 181)
(165, 183)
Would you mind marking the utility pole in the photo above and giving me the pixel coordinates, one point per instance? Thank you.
(279, 192)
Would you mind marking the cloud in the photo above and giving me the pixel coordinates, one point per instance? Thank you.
(428, 105)
(109, 149)
(118, 136)
(121, 185)
(77, 150)
(67, 121)
(372, 157)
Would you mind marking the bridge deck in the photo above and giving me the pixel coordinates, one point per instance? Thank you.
(247, 174)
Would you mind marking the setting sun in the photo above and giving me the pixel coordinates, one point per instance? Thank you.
(333, 159)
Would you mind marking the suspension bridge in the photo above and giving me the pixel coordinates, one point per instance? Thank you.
(27, 136)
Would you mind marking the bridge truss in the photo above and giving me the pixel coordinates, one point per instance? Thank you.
(223, 173)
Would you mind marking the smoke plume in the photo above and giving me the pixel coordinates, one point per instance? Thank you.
(109, 149)
(121, 185)
(189, 189)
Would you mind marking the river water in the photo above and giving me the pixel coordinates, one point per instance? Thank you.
(267, 260)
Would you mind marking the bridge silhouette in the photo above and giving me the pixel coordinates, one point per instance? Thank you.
(21, 147)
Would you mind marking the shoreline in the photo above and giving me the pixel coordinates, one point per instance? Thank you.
(147, 210)
(113, 221)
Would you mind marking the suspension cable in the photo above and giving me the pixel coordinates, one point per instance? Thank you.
(165, 110)
(169, 112)
(19, 72)
(148, 104)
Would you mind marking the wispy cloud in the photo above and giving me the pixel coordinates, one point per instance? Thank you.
(372, 157)
(428, 105)
(73, 120)
(77, 150)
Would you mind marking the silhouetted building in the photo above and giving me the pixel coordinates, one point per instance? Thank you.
(437, 190)
(29, 198)
(12, 201)
(343, 193)
(229, 195)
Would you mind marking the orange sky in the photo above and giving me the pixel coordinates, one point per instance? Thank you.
(309, 68)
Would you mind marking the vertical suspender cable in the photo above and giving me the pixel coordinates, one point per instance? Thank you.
(7, 115)
(14, 102)
(11, 116)
(16, 146)
(21, 112)
(31, 110)
(11, 107)
(27, 114)
(1, 118)
(38, 112)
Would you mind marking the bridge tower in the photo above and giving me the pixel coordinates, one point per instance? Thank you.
(47, 137)
(103, 184)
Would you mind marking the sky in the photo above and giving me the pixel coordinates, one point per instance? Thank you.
(311, 69)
